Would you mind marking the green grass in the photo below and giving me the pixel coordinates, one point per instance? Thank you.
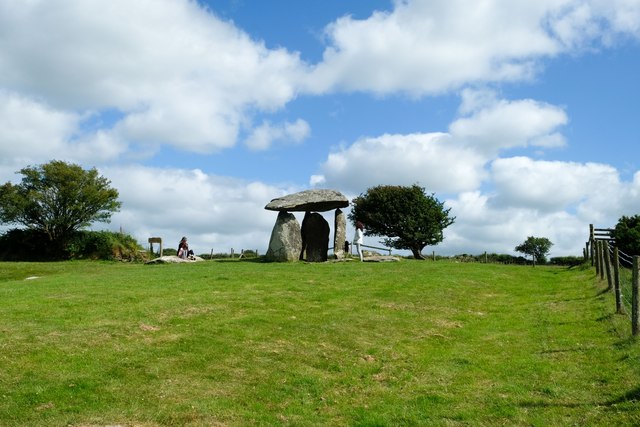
(248, 343)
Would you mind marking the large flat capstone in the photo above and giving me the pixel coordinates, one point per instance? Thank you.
(309, 200)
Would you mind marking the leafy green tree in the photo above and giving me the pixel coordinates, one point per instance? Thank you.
(409, 218)
(537, 247)
(57, 199)
(627, 234)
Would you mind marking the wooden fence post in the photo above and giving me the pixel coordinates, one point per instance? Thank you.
(634, 297)
(591, 241)
(616, 275)
(607, 264)
(596, 257)
(602, 255)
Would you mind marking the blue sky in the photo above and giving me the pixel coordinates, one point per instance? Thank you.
(522, 117)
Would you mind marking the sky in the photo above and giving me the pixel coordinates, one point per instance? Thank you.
(522, 117)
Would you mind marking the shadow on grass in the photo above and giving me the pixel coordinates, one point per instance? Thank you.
(632, 396)
(545, 404)
(627, 342)
(605, 291)
(566, 350)
(606, 318)
(259, 260)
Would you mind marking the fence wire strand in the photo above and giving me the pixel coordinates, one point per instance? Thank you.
(625, 276)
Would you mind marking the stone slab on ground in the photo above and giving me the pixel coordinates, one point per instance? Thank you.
(173, 259)
(381, 258)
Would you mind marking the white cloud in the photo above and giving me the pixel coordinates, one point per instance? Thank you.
(580, 22)
(508, 124)
(263, 136)
(482, 226)
(432, 160)
(431, 46)
(550, 185)
(446, 162)
(214, 212)
(28, 127)
(32, 132)
(180, 75)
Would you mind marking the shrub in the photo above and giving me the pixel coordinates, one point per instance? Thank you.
(32, 245)
(27, 245)
(570, 261)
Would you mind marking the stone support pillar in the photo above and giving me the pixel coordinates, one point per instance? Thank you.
(339, 234)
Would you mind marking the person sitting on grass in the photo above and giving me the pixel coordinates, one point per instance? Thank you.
(183, 249)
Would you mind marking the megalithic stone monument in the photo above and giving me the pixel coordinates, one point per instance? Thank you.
(315, 237)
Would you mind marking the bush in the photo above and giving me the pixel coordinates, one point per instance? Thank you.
(569, 261)
(31, 245)
(627, 235)
(27, 245)
(104, 245)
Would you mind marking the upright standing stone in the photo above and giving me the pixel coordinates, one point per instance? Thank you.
(303, 231)
(317, 237)
(286, 241)
(339, 234)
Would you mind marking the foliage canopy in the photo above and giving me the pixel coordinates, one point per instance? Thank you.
(627, 234)
(409, 218)
(537, 247)
(57, 199)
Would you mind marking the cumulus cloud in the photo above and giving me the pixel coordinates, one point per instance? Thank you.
(446, 162)
(179, 74)
(483, 226)
(28, 127)
(263, 136)
(550, 185)
(214, 212)
(33, 132)
(529, 197)
(500, 124)
(427, 47)
(428, 159)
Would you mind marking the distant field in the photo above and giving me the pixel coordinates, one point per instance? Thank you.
(247, 343)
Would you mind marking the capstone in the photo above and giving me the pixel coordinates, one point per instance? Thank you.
(318, 200)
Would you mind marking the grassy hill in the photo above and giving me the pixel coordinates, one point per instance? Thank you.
(248, 343)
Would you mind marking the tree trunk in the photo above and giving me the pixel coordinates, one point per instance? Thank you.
(417, 253)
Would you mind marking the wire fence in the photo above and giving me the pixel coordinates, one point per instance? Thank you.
(625, 276)
(620, 270)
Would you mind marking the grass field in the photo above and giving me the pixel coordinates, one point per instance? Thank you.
(248, 343)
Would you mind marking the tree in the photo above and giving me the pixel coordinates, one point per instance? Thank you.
(408, 217)
(58, 199)
(537, 247)
(627, 234)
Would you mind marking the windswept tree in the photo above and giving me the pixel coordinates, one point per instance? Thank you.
(57, 199)
(537, 247)
(406, 216)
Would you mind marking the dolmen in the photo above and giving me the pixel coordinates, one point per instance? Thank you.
(290, 241)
